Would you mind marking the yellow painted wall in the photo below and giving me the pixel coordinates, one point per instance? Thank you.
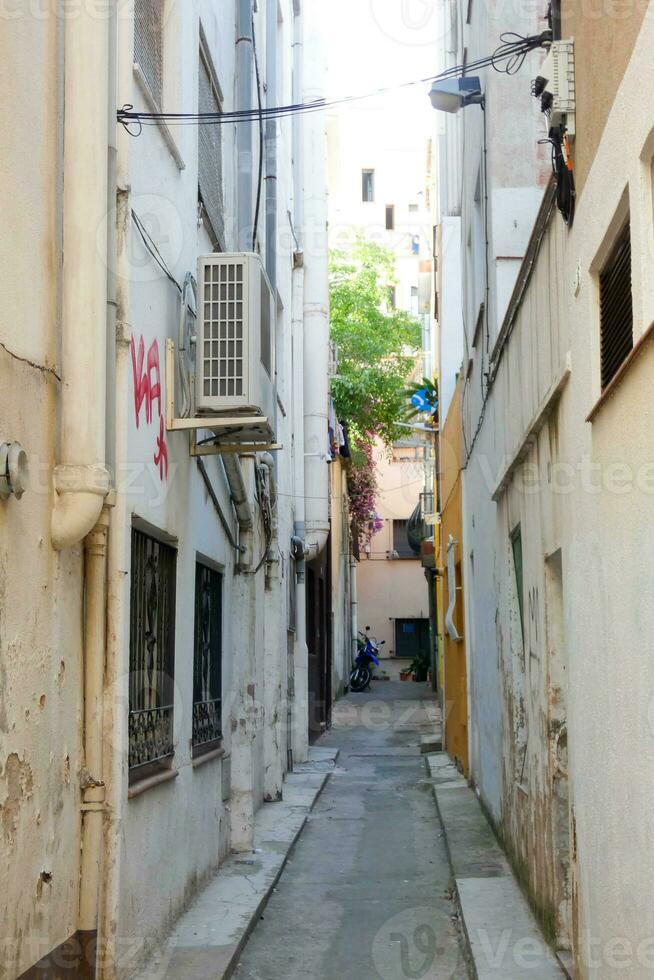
(455, 692)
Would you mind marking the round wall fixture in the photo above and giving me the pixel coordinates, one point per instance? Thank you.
(14, 470)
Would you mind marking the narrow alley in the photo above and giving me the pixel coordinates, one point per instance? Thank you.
(326, 490)
(365, 892)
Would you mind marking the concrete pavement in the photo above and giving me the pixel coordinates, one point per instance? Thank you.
(208, 937)
(365, 894)
(504, 938)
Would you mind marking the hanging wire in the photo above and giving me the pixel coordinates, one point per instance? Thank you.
(260, 115)
(152, 248)
(563, 174)
(508, 58)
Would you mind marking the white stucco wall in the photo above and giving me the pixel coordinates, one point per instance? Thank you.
(186, 819)
(583, 487)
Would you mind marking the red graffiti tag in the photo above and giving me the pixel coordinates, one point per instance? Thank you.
(147, 388)
(161, 452)
(147, 385)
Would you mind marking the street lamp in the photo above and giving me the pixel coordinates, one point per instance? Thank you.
(453, 94)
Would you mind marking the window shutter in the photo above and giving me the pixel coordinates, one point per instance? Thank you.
(148, 44)
(210, 157)
(616, 309)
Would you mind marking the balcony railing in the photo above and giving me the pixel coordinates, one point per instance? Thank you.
(150, 735)
(207, 724)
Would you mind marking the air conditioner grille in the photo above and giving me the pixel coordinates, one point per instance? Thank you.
(223, 329)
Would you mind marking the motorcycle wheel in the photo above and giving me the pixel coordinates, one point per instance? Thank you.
(359, 679)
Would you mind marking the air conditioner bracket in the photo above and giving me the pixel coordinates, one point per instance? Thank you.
(233, 434)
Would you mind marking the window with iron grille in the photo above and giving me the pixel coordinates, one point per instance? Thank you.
(210, 152)
(616, 308)
(148, 44)
(151, 652)
(207, 659)
(401, 540)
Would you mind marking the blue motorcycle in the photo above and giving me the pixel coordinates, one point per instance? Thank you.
(367, 659)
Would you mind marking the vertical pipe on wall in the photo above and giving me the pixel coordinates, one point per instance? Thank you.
(316, 295)
(80, 479)
(244, 101)
(300, 741)
(354, 608)
(271, 143)
(299, 710)
(240, 477)
(92, 777)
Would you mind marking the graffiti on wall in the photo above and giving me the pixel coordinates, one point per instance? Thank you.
(146, 374)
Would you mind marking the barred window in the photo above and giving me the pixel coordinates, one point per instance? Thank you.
(401, 539)
(207, 659)
(210, 152)
(148, 44)
(151, 652)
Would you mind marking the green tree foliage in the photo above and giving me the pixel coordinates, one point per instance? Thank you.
(376, 344)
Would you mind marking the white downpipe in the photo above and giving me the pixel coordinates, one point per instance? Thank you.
(316, 296)
(92, 780)
(300, 704)
(266, 460)
(354, 613)
(234, 473)
(81, 481)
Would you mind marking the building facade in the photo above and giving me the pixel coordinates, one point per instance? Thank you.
(153, 649)
(392, 593)
(555, 505)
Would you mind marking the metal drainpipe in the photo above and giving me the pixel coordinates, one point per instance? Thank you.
(92, 781)
(267, 461)
(244, 56)
(354, 608)
(81, 480)
(316, 299)
(234, 473)
(271, 144)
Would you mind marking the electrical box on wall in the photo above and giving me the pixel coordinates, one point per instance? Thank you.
(235, 337)
(555, 86)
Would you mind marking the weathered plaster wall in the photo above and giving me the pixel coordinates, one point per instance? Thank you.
(40, 591)
(576, 679)
(180, 830)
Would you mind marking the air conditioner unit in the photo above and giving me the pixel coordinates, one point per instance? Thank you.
(235, 339)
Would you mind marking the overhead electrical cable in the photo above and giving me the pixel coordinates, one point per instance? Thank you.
(260, 118)
(508, 58)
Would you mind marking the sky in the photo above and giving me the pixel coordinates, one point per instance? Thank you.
(371, 44)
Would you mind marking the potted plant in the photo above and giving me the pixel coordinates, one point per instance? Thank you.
(419, 667)
(405, 675)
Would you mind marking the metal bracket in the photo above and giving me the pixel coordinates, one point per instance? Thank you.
(220, 425)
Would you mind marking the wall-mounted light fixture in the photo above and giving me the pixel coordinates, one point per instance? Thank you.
(453, 94)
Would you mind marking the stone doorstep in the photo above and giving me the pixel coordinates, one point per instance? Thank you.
(503, 938)
(209, 937)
